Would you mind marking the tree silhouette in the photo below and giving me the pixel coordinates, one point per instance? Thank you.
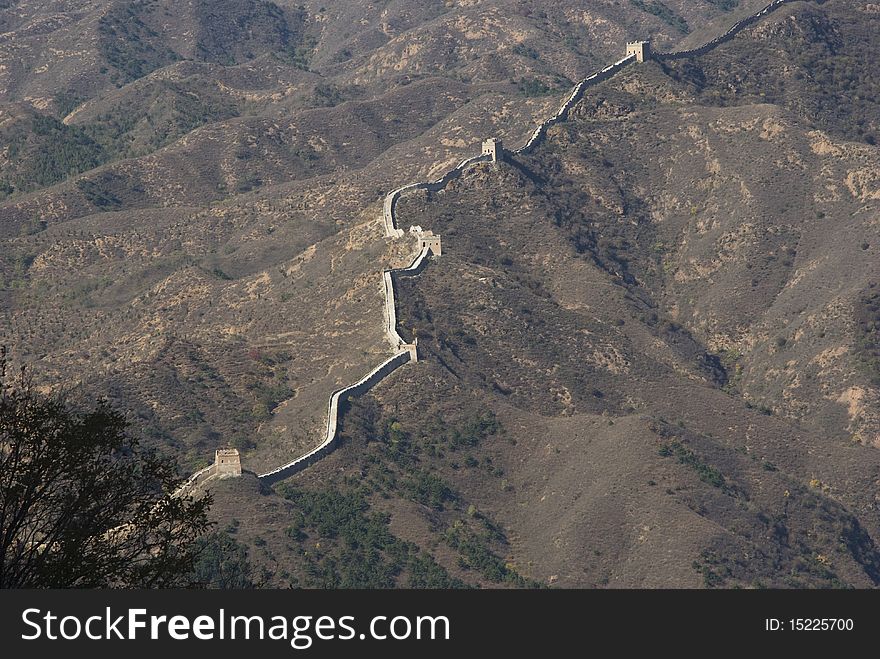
(82, 505)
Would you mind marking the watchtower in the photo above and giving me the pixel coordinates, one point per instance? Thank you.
(492, 147)
(430, 240)
(227, 462)
(641, 49)
(413, 349)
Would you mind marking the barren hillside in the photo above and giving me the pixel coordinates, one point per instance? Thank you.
(189, 191)
(649, 350)
(648, 347)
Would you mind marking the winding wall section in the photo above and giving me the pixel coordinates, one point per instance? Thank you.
(404, 352)
(724, 38)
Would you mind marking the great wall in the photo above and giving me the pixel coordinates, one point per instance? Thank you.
(227, 461)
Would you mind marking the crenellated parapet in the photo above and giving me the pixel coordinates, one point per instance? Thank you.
(735, 29)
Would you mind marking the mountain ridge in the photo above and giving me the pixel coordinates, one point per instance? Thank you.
(602, 400)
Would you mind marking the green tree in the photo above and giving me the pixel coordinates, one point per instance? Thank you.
(222, 562)
(82, 505)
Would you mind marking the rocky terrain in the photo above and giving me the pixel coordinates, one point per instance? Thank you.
(189, 191)
(649, 350)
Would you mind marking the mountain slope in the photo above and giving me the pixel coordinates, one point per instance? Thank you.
(648, 349)
(663, 312)
(218, 149)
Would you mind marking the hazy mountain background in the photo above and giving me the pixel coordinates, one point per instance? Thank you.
(651, 350)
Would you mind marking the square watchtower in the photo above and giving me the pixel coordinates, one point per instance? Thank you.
(641, 49)
(430, 240)
(492, 147)
(227, 462)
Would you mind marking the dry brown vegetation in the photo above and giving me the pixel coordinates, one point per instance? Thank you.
(667, 311)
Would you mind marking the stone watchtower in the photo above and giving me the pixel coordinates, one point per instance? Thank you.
(427, 239)
(492, 147)
(227, 462)
(641, 49)
(430, 240)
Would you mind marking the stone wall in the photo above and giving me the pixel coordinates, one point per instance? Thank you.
(576, 94)
(193, 480)
(388, 277)
(331, 437)
(727, 36)
(404, 352)
(393, 197)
